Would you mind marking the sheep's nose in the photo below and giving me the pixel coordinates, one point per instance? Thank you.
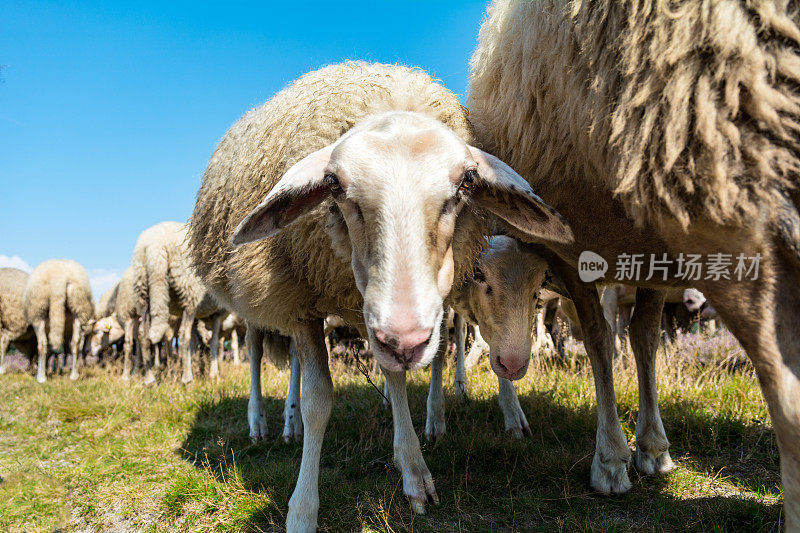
(403, 340)
(511, 368)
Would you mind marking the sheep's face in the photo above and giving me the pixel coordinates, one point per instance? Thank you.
(105, 332)
(693, 300)
(501, 299)
(398, 182)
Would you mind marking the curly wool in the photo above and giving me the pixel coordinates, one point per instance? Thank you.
(686, 110)
(54, 288)
(296, 275)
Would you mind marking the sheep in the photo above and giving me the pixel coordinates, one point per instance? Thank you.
(165, 283)
(234, 328)
(501, 299)
(373, 206)
(661, 128)
(108, 300)
(58, 290)
(127, 316)
(105, 332)
(14, 328)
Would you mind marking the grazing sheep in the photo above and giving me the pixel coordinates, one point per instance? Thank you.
(127, 316)
(165, 283)
(661, 128)
(233, 327)
(501, 298)
(370, 199)
(14, 328)
(58, 290)
(105, 332)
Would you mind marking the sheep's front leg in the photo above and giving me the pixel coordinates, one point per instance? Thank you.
(40, 329)
(460, 382)
(435, 426)
(292, 417)
(187, 323)
(652, 446)
(316, 408)
(257, 419)
(514, 416)
(73, 346)
(609, 472)
(417, 480)
(127, 348)
(216, 325)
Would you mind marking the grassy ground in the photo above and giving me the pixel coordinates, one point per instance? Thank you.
(100, 454)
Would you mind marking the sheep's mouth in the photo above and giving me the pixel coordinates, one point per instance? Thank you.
(402, 359)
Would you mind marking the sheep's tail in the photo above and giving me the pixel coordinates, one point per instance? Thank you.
(57, 312)
(276, 348)
(158, 292)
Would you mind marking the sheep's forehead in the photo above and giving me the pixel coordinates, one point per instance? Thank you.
(399, 157)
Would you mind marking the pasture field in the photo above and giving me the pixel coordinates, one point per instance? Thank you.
(102, 455)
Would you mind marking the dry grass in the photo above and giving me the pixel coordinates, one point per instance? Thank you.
(100, 454)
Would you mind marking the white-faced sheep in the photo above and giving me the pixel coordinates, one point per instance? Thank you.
(14, 328)
(58, 304)
(370, 196)
(165, 283)
(661, 128)
(501, 298)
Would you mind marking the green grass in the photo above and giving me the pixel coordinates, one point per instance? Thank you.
(101, 454)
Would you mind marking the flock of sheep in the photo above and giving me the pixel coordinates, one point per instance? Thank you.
(367, 192)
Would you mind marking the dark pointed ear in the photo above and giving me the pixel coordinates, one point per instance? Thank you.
(506, 194)
(299, 190)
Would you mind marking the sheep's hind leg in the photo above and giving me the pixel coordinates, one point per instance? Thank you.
(41, 346)
(652, 446)
(4, 341)
(215, 343)
(316, 408)
(609, 473)
(256, 418)
(73, 346)
(292, 417)
(186, 347)
(417, 480)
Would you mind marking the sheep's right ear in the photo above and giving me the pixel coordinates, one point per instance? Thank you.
(299, 190)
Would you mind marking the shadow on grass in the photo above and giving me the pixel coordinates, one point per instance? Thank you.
(486, 480)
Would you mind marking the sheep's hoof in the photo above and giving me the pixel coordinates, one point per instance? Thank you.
(610, 475)
(126, 376)
(258, 424)
(435, 425)
(186, 379)
(214, 372)
(41, 379)
(2, 369)
(460, 389)
(418, 485)
(516, 423)
(302, 518)
(73, 376)
(653, 463)
(293, 425)
(149, 378)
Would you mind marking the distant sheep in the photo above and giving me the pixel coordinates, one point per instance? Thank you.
(372, 206)
(661, 128)
(108, 301)
(126, 314)
(58, 303)
(14, 328)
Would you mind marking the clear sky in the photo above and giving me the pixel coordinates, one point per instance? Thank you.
(109, 111)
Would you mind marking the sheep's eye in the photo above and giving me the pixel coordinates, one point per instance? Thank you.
(333, 183)
(468, 181)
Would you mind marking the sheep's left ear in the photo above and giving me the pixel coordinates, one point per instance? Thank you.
(299, 190)
(506, 194)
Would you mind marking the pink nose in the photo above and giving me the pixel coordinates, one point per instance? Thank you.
(511, 368)
(404, 340)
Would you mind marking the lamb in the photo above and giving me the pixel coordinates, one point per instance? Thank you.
(373, 207)
(661, 128)
(165, 283)
(501, 298)
(58, 290)
(14, 328)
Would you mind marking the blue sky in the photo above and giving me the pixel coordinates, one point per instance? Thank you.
(110, 111)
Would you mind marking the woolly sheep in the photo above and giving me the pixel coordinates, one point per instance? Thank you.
(661, 128)
(108, 301)
(368, 189)
(14, 328)
(127, 316)
(501, 299)
(58, 290)
(165, 282)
